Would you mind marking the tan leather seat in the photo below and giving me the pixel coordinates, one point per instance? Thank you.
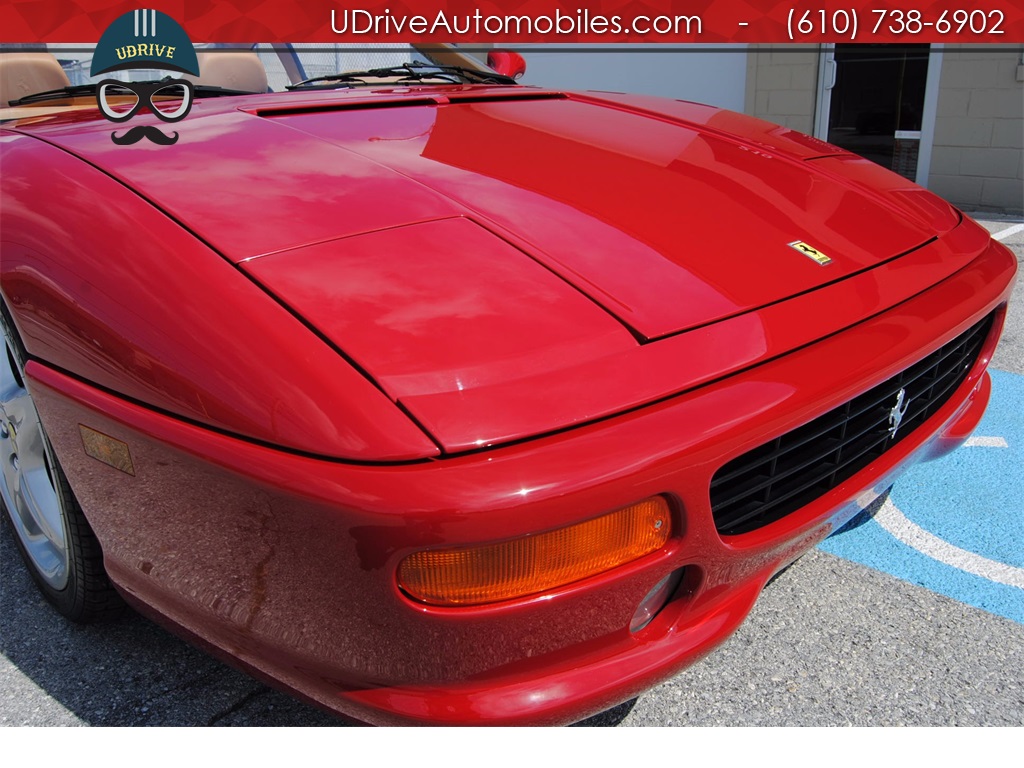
(22, 74)
(237, 70)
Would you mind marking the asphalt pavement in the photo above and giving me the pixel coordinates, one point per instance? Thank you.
(912, 618)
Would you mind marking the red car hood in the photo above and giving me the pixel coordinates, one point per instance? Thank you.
(498, 261)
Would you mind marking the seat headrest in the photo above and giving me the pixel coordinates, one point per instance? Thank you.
(22, 74)
(237, 70)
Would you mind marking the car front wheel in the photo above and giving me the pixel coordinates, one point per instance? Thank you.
(55, 540)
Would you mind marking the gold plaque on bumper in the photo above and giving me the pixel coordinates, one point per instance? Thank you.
(106, 449)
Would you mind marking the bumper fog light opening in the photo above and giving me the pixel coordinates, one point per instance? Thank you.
(659, 596)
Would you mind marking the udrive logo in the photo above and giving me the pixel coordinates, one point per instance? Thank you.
(152, 40)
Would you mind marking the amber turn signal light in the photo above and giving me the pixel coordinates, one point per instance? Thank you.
(520, 567)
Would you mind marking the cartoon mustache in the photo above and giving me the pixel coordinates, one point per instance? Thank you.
(139, 132)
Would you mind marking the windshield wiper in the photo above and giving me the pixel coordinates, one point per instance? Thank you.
(89, 89)
(59, 93)
(413, 72)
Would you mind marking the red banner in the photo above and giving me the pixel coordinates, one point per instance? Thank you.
(536, 21)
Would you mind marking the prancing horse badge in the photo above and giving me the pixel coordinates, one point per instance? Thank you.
(810, 252)
(898, 412)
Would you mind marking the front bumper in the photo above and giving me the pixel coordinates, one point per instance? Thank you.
(286, 563)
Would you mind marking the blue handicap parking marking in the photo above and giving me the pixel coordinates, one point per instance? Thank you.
(974, 498)
(956, 525)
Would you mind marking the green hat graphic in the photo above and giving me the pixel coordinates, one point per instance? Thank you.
(144, 38)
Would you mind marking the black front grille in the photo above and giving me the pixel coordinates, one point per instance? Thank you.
(779, 477)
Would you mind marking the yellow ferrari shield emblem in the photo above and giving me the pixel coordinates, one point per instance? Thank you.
(811, 252)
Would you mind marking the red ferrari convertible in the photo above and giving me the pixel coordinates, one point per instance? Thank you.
(433, 398)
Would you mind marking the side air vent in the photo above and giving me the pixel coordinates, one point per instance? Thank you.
(384, 100)
(513, 94)
(344, 106)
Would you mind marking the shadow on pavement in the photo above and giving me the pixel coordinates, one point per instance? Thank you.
(126, 672)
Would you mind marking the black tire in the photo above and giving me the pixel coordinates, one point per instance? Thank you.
(79, 587)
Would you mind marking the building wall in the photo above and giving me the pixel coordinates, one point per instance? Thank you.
(978, 154)
(977, 159)
(710, 77)
(782, 85)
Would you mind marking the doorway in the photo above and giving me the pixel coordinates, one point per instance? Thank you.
(874, 100)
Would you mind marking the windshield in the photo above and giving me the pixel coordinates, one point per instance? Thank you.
(320, 59)
(58, 76)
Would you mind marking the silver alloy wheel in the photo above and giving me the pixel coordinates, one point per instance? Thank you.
(27, 482)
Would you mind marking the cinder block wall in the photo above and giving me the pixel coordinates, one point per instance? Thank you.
(978, 154)
(782, 85)
(977, 160)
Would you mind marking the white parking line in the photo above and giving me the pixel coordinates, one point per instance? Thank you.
(913, 535)
(1005, 233)
(986, 442)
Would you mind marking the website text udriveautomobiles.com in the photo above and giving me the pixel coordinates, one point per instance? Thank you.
(582, 22)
